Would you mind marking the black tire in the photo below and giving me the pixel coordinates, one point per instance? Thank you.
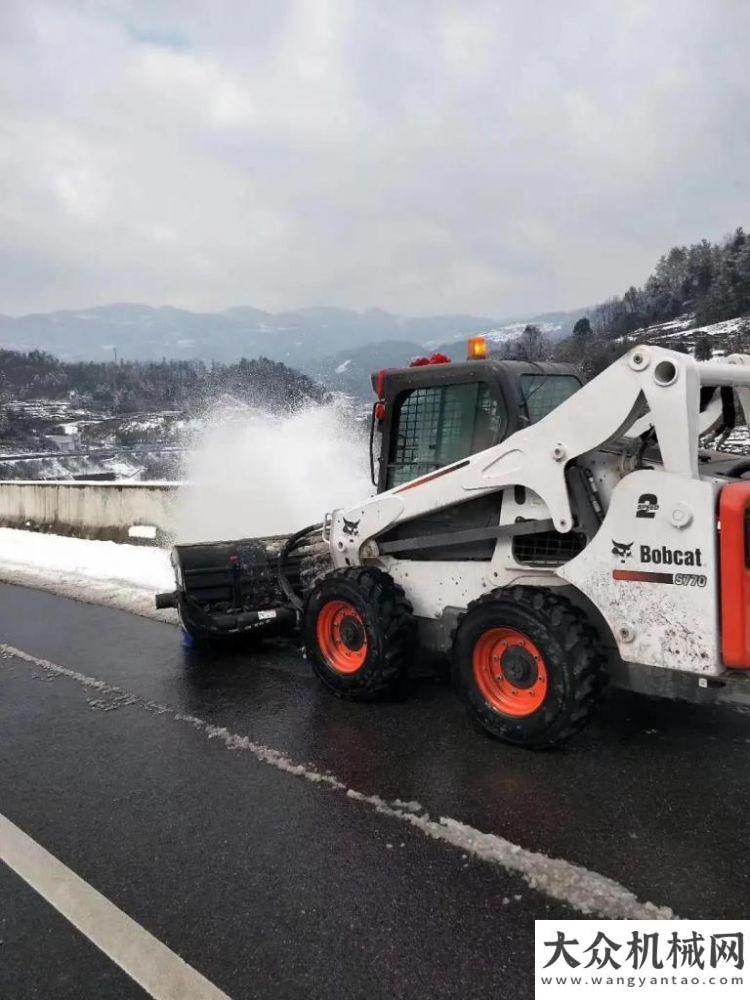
(566, 679)
(381, 634)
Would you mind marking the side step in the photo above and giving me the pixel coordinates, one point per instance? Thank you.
(729, 688)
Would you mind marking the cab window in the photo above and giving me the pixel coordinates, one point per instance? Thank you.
(438, 425)
(542, 393)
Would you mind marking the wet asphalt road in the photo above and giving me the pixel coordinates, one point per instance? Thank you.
(272, 886)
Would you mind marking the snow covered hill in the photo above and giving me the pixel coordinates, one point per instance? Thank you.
(682, 333)
(298, 338)
(350, 369)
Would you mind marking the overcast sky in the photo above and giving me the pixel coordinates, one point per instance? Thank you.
(417, 155)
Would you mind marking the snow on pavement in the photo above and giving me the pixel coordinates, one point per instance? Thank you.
(120, 576)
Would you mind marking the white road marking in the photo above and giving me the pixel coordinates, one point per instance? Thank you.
(585, 890)
(161, 973)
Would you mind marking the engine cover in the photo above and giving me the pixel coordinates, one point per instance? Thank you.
(652, 570)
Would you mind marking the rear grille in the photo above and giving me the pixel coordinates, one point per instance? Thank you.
(547, 548)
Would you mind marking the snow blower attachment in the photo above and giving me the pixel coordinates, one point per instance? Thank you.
(254, 585)
(543, 533)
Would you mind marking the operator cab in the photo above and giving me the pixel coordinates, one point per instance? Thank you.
(437, 412)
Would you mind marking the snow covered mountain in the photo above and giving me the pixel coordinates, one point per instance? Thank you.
(349, 369)
(316, 341)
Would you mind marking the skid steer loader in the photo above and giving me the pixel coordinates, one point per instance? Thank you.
(544, 533)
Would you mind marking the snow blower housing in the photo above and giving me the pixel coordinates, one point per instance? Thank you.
(540, 531)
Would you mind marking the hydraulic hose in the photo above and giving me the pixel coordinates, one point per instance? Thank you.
(289, 544)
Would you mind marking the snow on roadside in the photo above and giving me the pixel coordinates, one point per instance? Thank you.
(120, 576)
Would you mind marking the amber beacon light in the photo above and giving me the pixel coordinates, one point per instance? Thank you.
(477, 349)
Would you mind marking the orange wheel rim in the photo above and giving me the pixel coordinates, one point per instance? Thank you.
(341, 636)
(510, 672)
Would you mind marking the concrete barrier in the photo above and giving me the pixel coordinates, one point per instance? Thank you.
(91, 510)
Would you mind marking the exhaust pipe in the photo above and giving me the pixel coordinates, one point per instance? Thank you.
(168, 600)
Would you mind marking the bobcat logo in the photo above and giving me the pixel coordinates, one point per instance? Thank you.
(622, 549)
(351, 528)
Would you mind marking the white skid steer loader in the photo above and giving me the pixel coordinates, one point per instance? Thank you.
(544, 533)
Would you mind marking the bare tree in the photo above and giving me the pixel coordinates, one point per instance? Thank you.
(532, 345)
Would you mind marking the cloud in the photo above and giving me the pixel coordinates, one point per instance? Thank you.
(483, 157)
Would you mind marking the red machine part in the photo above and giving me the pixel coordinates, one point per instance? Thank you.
(734, 513)
(379, 411)
(516, 695)
(435, 359)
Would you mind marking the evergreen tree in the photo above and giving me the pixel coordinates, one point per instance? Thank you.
(582, 329)
(712, 280)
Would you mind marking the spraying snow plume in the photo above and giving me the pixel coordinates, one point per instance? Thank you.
(254, 473)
